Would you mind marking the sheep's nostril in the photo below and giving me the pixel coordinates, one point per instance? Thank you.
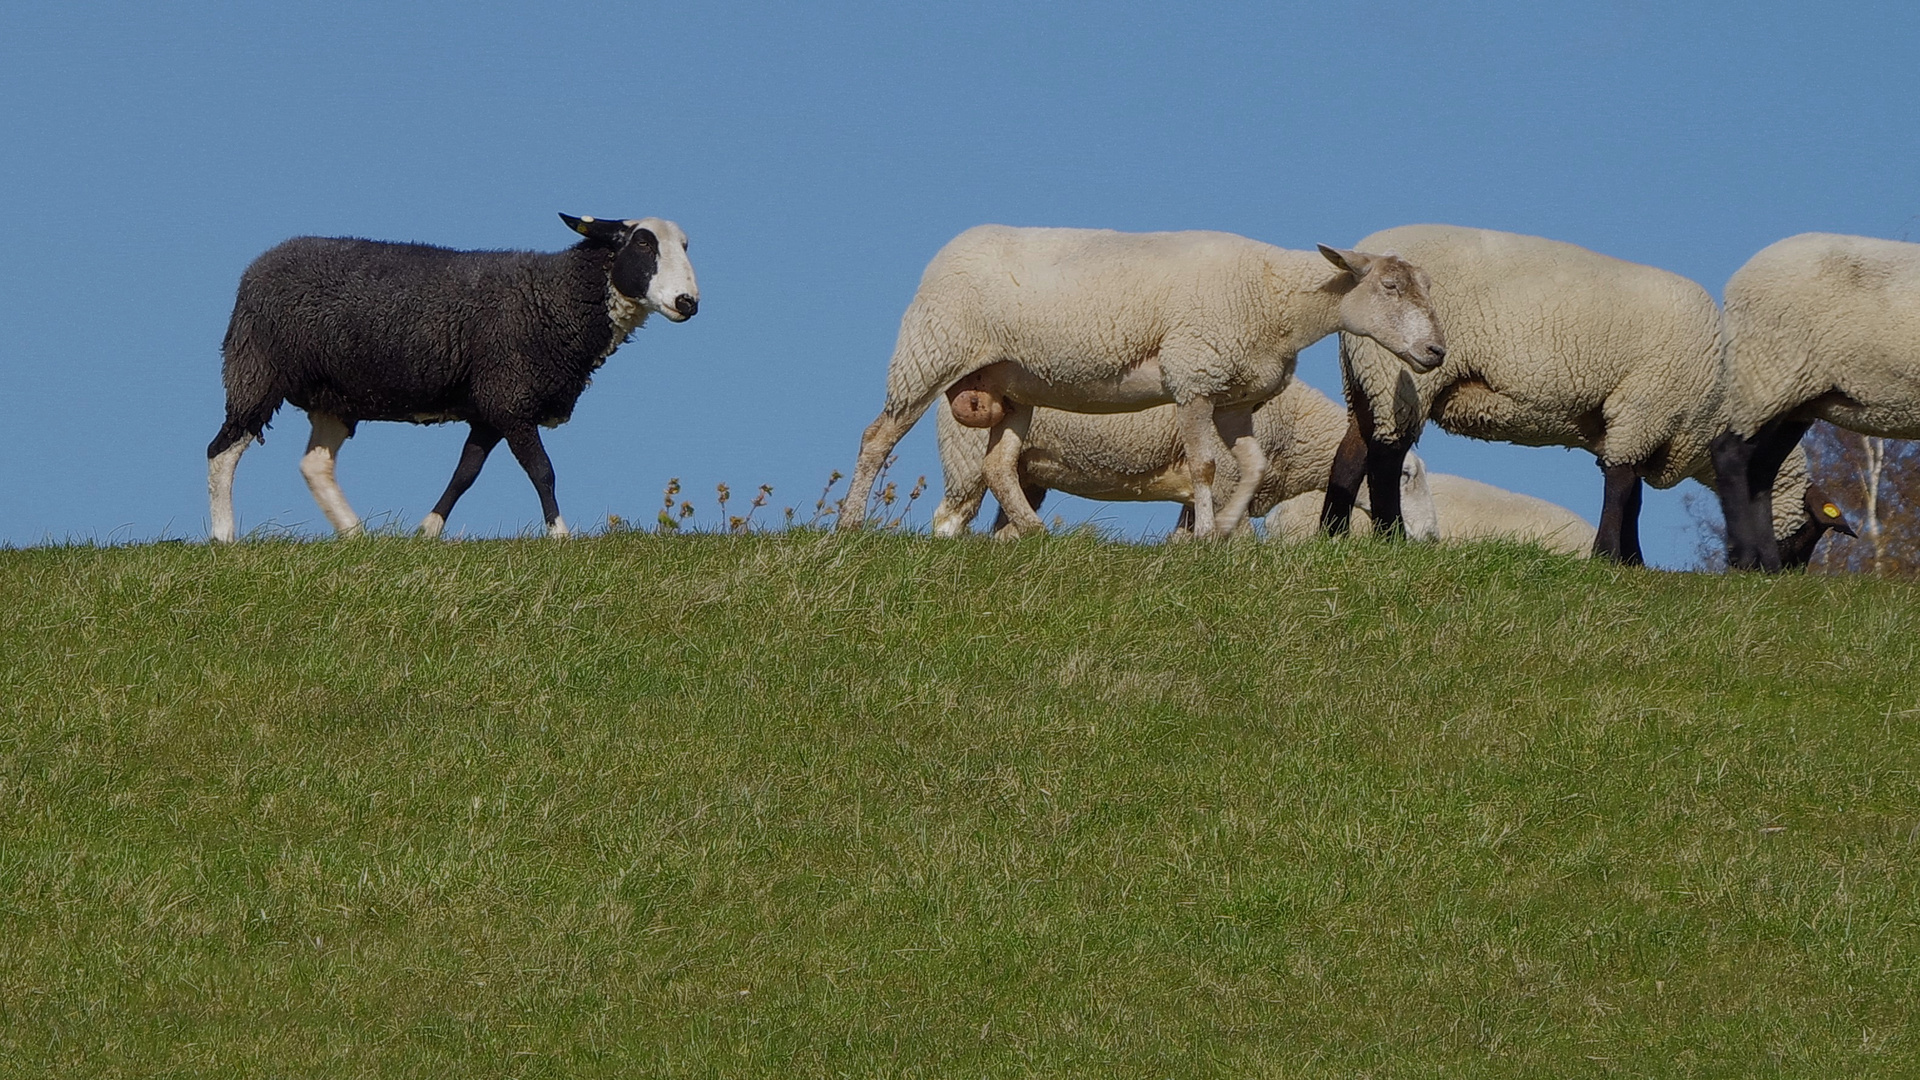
(1437, 353)
(686, 305)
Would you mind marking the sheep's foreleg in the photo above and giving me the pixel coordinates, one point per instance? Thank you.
(532, 455)
(1343, 481)
(1731, 455)
(1771, 446)
(1001, 467)
(220, 469)
(323, 453)
(481, 440)
(1235, 428)
(1618, 537)
(1385, 465)
(1201, 444)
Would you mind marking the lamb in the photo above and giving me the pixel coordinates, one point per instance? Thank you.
(1125, 457)
(1819, 327)
(1007, 319)
(1552, 345)
(352, 330)
(1463, 510)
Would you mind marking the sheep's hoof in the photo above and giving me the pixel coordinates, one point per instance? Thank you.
(558, 530)
(431, 526)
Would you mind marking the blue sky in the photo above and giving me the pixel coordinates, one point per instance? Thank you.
(818, 155)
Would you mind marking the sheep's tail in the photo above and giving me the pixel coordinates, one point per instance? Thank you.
(929, 356)
(253, 391)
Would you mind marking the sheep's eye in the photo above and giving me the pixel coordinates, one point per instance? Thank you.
(1391, 284)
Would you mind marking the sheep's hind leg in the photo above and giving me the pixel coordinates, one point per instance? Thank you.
(1618, 537)
(1035, 496)
(1001, 467)
(532, 455)
(957, 509)
(220, 469)
(876, 445)
(323, 453)
(481, 440)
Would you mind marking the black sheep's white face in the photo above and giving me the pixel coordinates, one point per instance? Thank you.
(652, 269)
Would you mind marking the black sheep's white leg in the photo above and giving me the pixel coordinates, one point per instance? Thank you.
(220, 469)
(481, 440)
(323, 452)
(1618, 537)
(525, 443)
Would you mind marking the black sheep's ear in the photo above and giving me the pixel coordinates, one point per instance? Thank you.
(595, 228)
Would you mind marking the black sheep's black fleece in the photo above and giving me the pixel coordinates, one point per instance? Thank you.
(371, 330)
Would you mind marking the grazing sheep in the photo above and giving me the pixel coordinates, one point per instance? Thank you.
(1552, 345)
(1095, 321)
(1819, 327)
(1136, 457)
(353, 330)
(1463, 509)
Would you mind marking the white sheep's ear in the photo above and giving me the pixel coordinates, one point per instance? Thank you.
(1356, 263)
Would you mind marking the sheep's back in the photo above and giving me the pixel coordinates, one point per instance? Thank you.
(1818, 313)
(374, 330)
(1069, 303)
(1570, 336)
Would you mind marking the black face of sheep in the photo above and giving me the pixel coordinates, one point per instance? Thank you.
(353, 330)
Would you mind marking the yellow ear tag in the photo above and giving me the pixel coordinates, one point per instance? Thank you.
(1830, 510)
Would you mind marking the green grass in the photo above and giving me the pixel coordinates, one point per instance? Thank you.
(892, 807)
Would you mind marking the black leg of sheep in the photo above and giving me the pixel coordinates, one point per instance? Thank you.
(1343, 483)
(1744, 472)
(1618, 537)
(481, 440)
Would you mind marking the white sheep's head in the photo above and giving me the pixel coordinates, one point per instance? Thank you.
(650, 266)
(1390, 302)
(1417, 511)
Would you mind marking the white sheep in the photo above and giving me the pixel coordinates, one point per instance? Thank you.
(1819, 327)
(1090, 320)
(1136, 457)
(1463, 509)
(1552, 345)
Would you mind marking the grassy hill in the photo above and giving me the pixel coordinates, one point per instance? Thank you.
(890, 807)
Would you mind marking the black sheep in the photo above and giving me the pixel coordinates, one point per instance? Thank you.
(353, 330)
